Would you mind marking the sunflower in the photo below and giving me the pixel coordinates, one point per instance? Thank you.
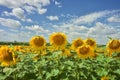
(38, 42)
(77, 43)
(58, 40)
(7, 56)
(91, 42)
(85, 51)
(113, 46)
(105, 78)
(19, 49)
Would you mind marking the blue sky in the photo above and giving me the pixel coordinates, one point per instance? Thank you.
(22, 19)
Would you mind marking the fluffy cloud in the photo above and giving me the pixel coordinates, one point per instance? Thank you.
(18, 12)
(29, 20)
(1, 30)
(28, 5)
(11, 3)
(102, 29)
(29, 9)
(37, 28)
(114, 19)
(52, 18)
(57, 3)
(42, 11)
(9, 23)
(92, 17)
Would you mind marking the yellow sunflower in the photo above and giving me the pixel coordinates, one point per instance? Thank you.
(113, 46)
(105, 78)
(38, 42)
(7, 56)
(77, 43)
(58, 40)
(91, 42)
(85, 51)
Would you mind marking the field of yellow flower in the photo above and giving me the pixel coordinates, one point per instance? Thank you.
(60, 60)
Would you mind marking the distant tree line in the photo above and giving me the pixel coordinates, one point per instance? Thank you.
(14, 43)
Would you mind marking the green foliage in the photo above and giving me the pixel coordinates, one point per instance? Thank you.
(53, 66)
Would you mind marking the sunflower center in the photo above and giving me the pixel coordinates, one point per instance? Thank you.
(90, 42)
(39, 42)
(114, 44)
(78, 43)
(7, 56)
(84, 50)
(58, 39)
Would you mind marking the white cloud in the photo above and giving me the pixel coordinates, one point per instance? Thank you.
(9, 23)
(89, 18)
(11, 3)
(34, 28)
(114, 18)
(102, 29)
(29, 9)
(18, 12)
(29, 20)
(42, 11)
(44, 2)
(28, 5)
(52, 18)
(1, 30)
(37, 28)
(57, 3)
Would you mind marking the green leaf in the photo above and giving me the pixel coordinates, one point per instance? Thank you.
(93, 78)
(2, 77)
(55, 72)
(56, 54)
(117, 71)
(69, 63)
(48, 75)
(102, 72)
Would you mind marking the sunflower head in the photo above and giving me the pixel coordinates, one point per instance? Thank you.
(113, 46)
(58, 40)
(91, 42)
(6, 56)
(38, 42)
(77, 43)
(85, 51)
(105, 78)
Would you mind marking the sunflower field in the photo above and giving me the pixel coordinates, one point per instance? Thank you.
(60, 60)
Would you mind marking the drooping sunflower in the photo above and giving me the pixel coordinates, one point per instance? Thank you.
(7, 56)
(38, 42)
(113, 46)
(85, 51)
(58, 40)
(77, 43)
(105, 78)
(91, 42)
